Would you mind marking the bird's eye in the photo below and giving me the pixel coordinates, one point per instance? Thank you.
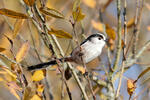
(99, 38)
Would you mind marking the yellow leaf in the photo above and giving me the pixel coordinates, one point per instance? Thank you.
(38, 75)
(110, 32)
(9, 72)
(13, 14)
(40, 88)
(130, 22)
(29, 2)
(18, 25)
(35, 97)
(81, 69)
(97, 25)
(2, 49)
(51, 12)
(60, 33)
(22, 52)
(90, 3)
(78, 15)
(130, 86)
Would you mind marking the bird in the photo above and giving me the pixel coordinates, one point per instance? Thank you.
(88, 50)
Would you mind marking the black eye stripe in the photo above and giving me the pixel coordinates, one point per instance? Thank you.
(100, 37)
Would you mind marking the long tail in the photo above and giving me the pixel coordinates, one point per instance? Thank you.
(46, 64)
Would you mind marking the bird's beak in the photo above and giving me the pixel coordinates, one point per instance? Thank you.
(106, 40)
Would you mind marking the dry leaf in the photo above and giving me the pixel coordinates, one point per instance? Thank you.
(106, 5)
(18, 25)
(81, 69)
(78, 15)
(90, 3)
(2, 49)
(60, 33)
(22, 52)
(143, 73)
(97, 25)
(130, 23)
(13, 14)
(130, 86)
(76, 4)
(38, 75)
(110, 32)
(51, 12)
(28, 93)
(35, 97)
(29, 2)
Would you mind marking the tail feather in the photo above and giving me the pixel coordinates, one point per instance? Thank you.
(46, 64)
(42, 65)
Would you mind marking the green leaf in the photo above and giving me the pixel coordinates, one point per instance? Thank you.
(60, 33)
(51, 12)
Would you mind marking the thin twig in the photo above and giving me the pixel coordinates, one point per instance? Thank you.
(115, 66)
(123, 62)
(137, 21)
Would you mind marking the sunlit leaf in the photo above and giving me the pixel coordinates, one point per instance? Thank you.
(81, 69)
(38, 75)
(51, 12)
(76, 4)
(18, 25)
(22, 52)
(60, 33)
(13, 14)
(2, 49)
(130, 23)
(130, 86)
(90, 3)
(29, 2)
(40, 88)
(9, 72)
(110, 32)
(143, 73)
(78, 15)
(35, 97)
(97, 25)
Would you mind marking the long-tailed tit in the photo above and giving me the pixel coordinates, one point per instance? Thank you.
(88, 50)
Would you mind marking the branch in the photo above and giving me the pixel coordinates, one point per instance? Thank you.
(119, 35)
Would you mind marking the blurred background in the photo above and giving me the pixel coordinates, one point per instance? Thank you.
(97, 14)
